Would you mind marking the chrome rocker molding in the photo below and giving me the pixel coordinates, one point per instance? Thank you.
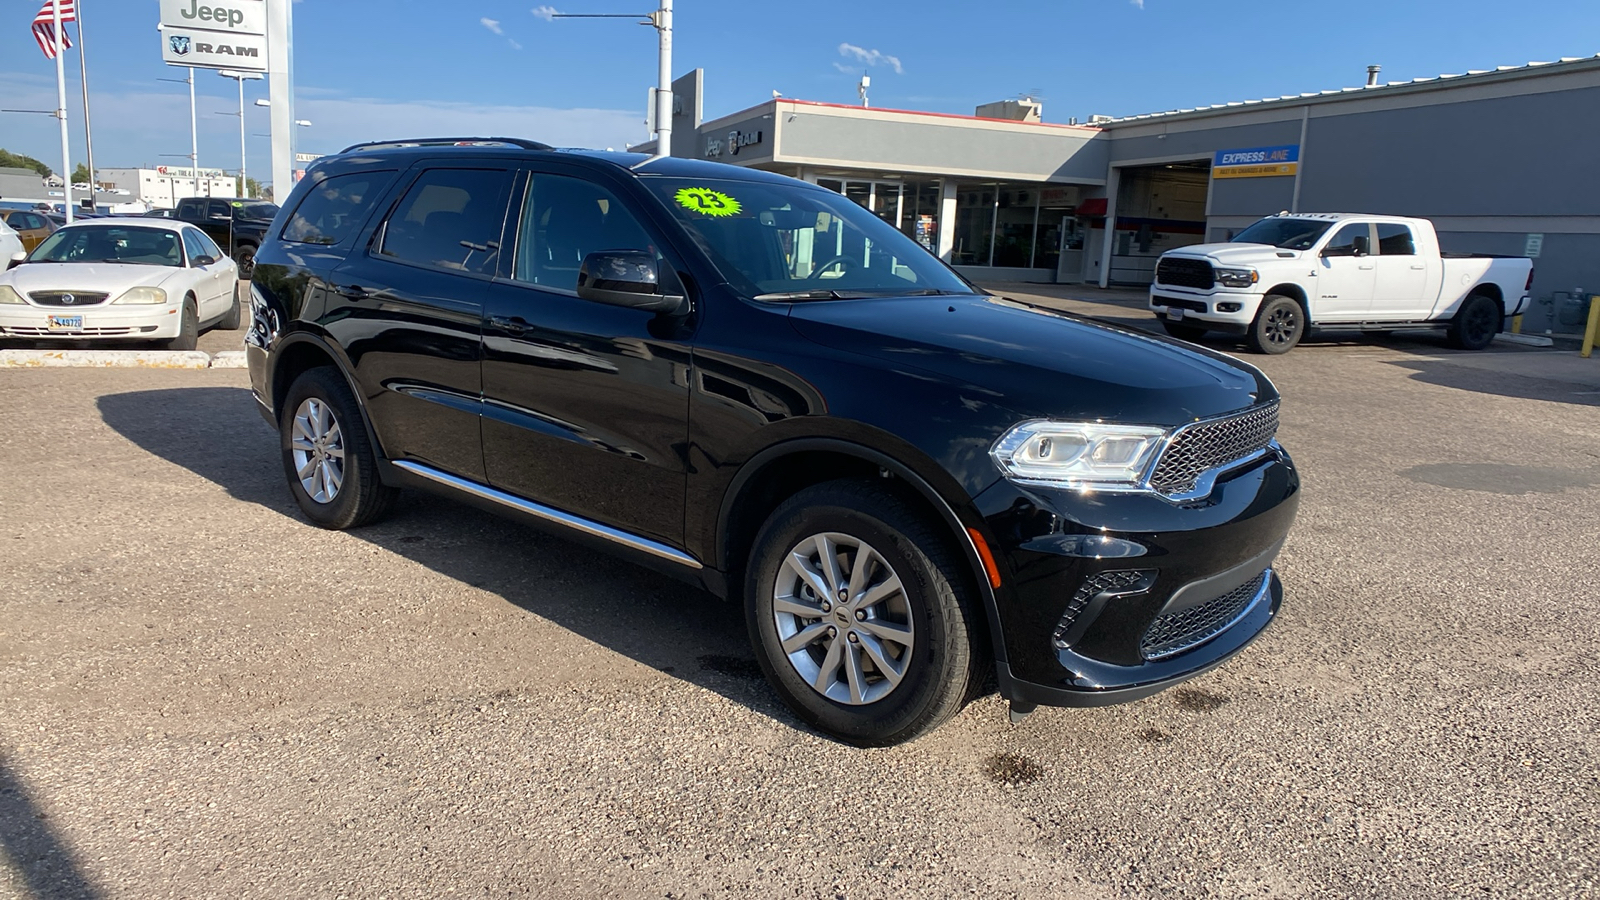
(549, 514)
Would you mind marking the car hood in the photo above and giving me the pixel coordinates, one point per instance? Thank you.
(1039, 363)
(1235, 254)
(107, 278)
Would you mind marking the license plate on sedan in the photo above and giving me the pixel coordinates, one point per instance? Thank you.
(1174, 313)
(66, 323)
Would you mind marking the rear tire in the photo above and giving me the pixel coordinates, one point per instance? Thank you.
(234, 317)
(331, 466)
(1476, 323)
(1182, 332)
(188, 327)
(245, 258)
(1279, 325)
(893, 648)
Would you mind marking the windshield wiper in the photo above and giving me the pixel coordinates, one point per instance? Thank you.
(851, 294)
(801, 295)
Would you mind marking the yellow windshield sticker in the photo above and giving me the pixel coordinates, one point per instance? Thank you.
(707, 202)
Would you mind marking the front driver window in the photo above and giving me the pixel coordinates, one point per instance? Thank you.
(565, 219)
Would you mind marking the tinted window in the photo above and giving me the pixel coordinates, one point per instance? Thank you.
(192, 248)
(1395, 240)
(217, 208)
(564, 219)
(450, 218)
(207, 245)
(1290, 234)
(1350, 238)
(32, 221)
(335, 209)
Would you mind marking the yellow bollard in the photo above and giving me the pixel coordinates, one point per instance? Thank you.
(1594, 325)
(1516, 324)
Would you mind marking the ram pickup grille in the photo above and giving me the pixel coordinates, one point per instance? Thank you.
(1207, 446)
(1189, 273)
(1174, 633)
(59, 298)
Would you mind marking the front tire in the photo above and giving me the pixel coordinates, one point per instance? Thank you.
(860, 616)
(1476, 323)
(331, 466)
(234, 318)
(1279, 325)
(188, 327)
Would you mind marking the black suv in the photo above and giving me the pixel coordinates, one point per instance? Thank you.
(237, 225)
(754, 384)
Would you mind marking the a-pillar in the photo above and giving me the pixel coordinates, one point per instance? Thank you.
(947, 218)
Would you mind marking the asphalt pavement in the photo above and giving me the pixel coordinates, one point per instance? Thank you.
(204, 695)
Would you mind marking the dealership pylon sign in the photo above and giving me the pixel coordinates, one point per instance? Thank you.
(215, 34)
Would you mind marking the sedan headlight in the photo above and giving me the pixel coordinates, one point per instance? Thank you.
(143, 295)
(8, 294)
(1078, 454)
(1237, 277)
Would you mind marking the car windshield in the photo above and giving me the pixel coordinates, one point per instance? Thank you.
(256, 210)
(1289, 234)
(775, 241)
(134, 245)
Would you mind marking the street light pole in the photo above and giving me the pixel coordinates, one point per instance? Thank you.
(661, 20)
(61, 115)
(244, 181)
(194, 139)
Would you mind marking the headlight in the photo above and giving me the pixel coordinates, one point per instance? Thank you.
(1237, 277)
(143, 295)
(1078, 454)
(8, 294)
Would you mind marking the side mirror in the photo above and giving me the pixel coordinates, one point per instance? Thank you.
(16, 260)
(204, 261)
(625, 278)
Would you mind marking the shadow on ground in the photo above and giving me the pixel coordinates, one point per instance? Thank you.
(657, 621)
(1445, 373)
(47, 869)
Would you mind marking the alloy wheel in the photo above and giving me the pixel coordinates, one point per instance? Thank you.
(318, 448)
(843, 618)
(1280, 325)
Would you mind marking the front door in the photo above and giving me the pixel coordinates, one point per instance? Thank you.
(586, 406)
(1345, 276)
(409, 310)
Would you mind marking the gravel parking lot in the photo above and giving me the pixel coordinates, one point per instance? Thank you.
(205, 696)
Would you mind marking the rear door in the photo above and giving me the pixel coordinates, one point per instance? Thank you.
(586, 406)
(1404, 285)
(408, 310)
(1345, 276)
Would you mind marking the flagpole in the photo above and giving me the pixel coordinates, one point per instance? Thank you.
(61, 113)
(83, 70)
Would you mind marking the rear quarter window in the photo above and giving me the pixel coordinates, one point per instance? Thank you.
(334, 209)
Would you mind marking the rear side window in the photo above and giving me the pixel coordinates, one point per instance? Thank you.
(334, 210)
(450, 219)
(565, 219)
(1395, 240)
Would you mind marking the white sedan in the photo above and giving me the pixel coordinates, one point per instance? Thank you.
(120, 279)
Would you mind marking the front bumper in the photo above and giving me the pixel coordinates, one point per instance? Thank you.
(105, 321)
(1113, 597)
(1222, 310)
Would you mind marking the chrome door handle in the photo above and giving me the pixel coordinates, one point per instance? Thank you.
(1419, 267)
(354, 292)
(1363, 267)
(512, 325)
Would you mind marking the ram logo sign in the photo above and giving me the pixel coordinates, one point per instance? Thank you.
(215, 34)
(180, 44)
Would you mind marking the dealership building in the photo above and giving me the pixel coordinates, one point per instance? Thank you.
(1501, 160)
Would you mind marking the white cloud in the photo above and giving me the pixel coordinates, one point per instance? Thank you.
(871, 57)
(545, 12)
(491, 24)
(514, 44)
(848, 70)
(1138, 3)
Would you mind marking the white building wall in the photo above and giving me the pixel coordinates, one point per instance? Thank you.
(163, 187)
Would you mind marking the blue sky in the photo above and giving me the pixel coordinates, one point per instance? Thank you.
(368, 69)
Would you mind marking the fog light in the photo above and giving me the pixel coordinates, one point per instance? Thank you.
(1228, 307)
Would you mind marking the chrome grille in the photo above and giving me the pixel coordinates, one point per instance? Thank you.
(59, 298)
(1206, 446)
(1095, 584)
(1189, 273)
(1172, 634)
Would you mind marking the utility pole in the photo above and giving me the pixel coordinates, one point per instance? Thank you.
(661, 20)
(83, 72)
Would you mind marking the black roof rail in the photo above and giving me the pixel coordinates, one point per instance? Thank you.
(524, 143)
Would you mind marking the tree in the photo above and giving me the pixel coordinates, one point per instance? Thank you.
(80, 174)
(19, 161)
(251, 184)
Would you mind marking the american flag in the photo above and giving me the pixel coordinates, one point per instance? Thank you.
(44, 29)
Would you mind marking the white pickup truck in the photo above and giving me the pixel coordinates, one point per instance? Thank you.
(1294, 271)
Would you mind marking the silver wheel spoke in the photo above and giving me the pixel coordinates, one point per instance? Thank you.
(829, 670)
(802, 567)
(890, 669)
(829, 554)
(865, 557)
(805, 637)
(307, 469)
(854, 674)
(886, 630)
(332, 477)
(336, 453)
(881, 592)
(796, 606)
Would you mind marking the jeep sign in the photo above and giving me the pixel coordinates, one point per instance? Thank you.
(215, 34)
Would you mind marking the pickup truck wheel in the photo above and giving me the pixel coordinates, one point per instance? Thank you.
(246, 258)
(1476, 323)
(1181, 331)
(1279, 325)
(859, 616)
(188, 327)
(331, 467)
